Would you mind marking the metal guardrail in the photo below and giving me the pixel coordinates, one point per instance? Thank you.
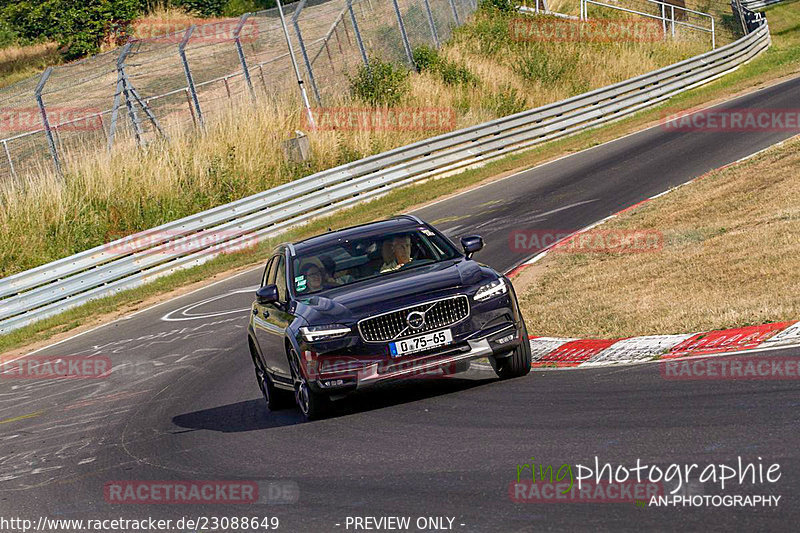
(127, 263)
(758, 4)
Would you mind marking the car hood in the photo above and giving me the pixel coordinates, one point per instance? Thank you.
(384, 293)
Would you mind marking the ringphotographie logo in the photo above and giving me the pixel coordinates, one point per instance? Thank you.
(28, 119)
(596, 30)
(382, 119)
(55, 367)
(733, 120)
(614, 241)
(732, 368)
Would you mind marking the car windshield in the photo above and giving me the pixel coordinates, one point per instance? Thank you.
(349, 261)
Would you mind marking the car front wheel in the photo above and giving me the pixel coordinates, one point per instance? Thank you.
(312, 404)
(516, 365)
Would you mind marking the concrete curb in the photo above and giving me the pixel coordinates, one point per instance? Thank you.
(551, 352)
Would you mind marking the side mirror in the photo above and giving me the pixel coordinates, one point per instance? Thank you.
(472, 244)
(267, 294)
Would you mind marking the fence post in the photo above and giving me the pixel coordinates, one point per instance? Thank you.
(303, 51)
(455, 12)
(672, 16)
(238, 41)
(10, 162)
(664, 19)
(45, 122)
(303, 93)
(432, 23)
(123, 54)
(358, 34)
(137, 126)
(404, 35)
(713, 36)
(189, 79)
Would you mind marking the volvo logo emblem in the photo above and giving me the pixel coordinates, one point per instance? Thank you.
(415, 319)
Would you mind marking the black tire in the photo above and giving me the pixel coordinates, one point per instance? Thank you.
(312, 405)
(274, 397)
(516, 365)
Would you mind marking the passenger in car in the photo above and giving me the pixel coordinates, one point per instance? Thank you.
(401, 253)
(330, 270)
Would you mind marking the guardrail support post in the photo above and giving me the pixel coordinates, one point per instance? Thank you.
(404, 35)
(45, 122)
(189, 80)
(359, 40)
(303, 51)
(237, 39)
(432, 23)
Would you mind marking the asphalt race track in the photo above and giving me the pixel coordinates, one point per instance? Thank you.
(183, 404)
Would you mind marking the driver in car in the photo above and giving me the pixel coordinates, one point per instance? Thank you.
(401, 253)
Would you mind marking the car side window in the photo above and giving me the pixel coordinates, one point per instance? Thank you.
(280, 279)
(265, 276)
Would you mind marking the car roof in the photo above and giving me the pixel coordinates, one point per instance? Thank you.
(383, 227)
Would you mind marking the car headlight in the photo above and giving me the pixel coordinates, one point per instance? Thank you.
(320, 333)
(496, 288)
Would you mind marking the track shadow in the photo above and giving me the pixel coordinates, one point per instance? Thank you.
(253, 415)
(249, 415)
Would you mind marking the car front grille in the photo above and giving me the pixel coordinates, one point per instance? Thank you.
(394, 325)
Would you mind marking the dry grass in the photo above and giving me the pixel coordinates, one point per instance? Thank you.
(730, 258)
(106, 195)
(20, 62)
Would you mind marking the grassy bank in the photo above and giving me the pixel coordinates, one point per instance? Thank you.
(731, 243)
(481, 74)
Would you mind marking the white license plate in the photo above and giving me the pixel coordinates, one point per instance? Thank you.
(421, 343)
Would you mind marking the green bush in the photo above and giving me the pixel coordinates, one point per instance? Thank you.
(506, 102)
(382, 84)
(79, 27)
(428, 59)
(204, 8)
(548, 69)
(506, 6)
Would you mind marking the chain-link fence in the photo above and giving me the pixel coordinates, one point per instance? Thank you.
(142, 90)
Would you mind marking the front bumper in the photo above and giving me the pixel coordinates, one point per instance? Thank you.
(498, 342)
